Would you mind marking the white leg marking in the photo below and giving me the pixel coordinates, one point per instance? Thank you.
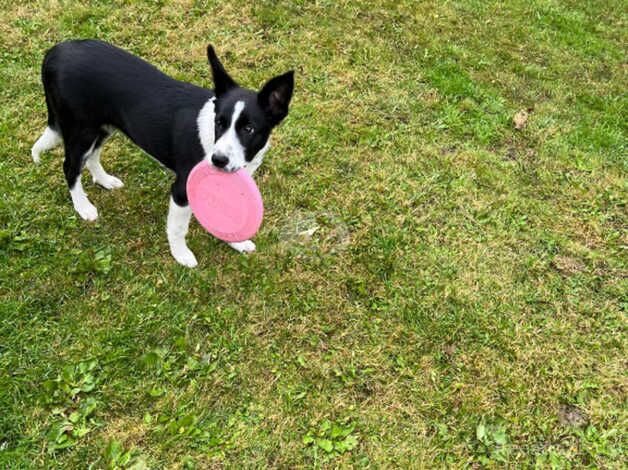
(99, 175)
(82, 205)
(48, 140)
(246, 246)
(177, 229)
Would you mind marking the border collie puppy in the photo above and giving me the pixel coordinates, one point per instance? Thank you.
(93, 88)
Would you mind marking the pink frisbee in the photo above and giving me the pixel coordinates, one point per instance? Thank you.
(228, 205)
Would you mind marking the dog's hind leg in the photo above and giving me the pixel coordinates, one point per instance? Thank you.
(48, 140)
(99, 175)
(51, 136)
(77, 148)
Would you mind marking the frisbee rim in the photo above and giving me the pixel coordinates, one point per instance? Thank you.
(239, 181)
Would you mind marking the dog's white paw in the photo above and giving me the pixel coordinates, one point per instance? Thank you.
(185, 257)
(109, 182)
(246, 246)
(86, 210)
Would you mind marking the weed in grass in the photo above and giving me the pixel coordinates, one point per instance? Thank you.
(332, 438)
(116, 457)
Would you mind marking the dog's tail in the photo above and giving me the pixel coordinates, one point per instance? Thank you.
(51, 137)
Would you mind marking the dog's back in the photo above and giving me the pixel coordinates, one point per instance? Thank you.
(90, 83)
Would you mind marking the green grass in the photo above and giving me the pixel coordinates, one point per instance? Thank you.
(461, 303)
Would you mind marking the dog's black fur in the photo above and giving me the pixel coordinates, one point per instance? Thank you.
(93, 87)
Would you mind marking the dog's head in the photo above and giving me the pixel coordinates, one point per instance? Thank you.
(244, 118)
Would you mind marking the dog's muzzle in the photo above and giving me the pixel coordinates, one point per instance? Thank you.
(219, 160)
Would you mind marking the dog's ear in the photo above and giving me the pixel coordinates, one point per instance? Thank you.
(222, 80)
(275, 96)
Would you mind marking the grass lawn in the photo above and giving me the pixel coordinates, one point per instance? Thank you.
(432, 287)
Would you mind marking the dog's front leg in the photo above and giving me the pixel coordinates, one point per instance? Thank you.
(177, 228)
(246, 246)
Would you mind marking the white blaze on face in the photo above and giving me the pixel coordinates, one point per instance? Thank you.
(229, 145)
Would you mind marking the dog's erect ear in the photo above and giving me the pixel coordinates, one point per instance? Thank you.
(275, 96)
(222, 80)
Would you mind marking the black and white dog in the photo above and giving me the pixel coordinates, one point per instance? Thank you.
(93, 88)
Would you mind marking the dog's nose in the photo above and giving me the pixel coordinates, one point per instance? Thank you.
(220, 160)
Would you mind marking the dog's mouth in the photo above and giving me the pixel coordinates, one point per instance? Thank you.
(230, 169)
(225, 169)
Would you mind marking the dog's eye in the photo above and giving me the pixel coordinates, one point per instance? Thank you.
(248, 129)
(221, 122)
